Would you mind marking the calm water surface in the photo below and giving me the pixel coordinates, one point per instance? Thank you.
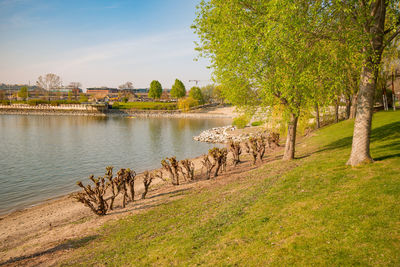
(43, 156)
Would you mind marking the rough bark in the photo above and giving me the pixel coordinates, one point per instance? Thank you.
(353, 109)
(317, 116)
(393, 94)
(337, 111)
(360, 152)
(291, 137)
(348, 107)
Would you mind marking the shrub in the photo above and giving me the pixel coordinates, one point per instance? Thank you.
(186, 103)
(115, 105)
(257, 123)
(5, 102)
(240, 122)
(35, 102)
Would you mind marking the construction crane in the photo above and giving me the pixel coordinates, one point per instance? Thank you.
(197, 81)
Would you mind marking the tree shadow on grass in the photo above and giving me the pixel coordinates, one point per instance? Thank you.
(382, 133)
(69, 244)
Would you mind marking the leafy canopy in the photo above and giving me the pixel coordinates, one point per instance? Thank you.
(178, 89)
(195, 93)
(271, 52)
(155, 90)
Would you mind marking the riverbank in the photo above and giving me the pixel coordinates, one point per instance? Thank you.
(34, 232)
(41, 234)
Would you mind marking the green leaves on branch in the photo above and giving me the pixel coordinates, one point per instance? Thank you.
(178, 89)
(155, 90)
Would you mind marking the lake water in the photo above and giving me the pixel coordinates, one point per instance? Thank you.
(42, 157)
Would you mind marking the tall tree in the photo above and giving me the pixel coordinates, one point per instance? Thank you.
(155, 90)
(195, 93)
(127, 85)
(265, 53)
(23, 92)
(178, 90)
(75, 86)
(378, 23)
(49, 82)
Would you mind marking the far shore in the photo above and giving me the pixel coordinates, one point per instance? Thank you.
(207, 112)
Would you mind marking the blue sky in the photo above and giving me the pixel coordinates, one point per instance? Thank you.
(100, 43)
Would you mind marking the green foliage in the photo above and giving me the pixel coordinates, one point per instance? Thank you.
(186, 103)
(314, 211)
(155, 90)
(83, 98)
(241, 121)
(257, 123)
(4, 102)
(178, 89)
(35, 102)
(23, 92)
(115, 105)
(207, 92)
(195, 93)
(144, 105)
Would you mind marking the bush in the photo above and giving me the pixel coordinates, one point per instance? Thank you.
(240, 122)
(144, 105)
(35, 102)
(5, 102)
(186, 103)
(257, 123)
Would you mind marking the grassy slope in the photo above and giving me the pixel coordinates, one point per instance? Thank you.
(312, 211)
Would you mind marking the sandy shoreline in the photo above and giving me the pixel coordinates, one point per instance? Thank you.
(50, 223)
(57, 223)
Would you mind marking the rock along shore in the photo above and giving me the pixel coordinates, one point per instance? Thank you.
(221, 135)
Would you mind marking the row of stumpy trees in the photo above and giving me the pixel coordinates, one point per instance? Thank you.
(101, 195)
(301, 55)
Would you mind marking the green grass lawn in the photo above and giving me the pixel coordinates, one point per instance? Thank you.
(312, 211)
(145, 105)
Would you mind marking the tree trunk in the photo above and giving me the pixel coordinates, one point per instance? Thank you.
(337, 110)
(291, 137)
(348, 107)
(353, 109)
(362, 127)
(317, 116)
(393, 94)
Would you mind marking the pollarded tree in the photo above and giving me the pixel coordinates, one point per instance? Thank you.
(155, 90)
(265, 54)
(178, 90)
(195, 93)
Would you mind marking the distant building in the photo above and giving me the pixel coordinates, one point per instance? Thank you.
(102, 91)
(17, 87)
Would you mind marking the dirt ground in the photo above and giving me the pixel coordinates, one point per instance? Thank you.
(44, 235)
